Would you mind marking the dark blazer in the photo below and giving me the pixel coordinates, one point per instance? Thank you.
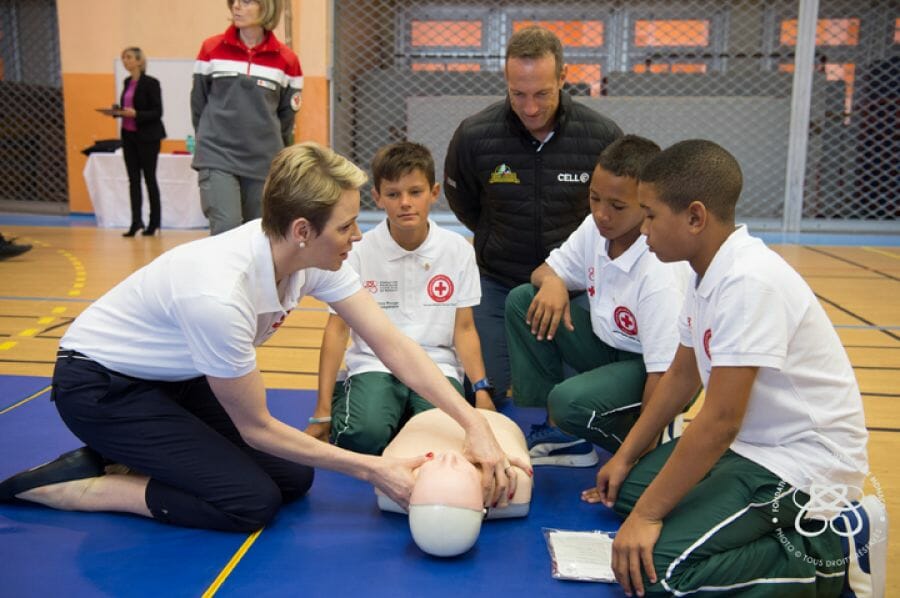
(148, 105)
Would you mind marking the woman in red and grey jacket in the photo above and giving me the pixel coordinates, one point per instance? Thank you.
(246, 93)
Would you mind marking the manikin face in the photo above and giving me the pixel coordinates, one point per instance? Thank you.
(449, 479)
(615, 207)
(534, 92)
(407, 201)
(329, 248)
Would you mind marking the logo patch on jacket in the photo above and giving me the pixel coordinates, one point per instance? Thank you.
(573, 177)
(266, 84)
(503, 174)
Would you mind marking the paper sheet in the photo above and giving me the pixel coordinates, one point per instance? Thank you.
(584, 556)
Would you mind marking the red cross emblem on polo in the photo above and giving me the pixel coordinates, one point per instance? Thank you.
(625, 320)
(440, 288)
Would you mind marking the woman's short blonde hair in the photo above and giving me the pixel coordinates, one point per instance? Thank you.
(305, 180)
(269, 12)
(138, 55)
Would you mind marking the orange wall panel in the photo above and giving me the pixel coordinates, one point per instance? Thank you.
(312, 121)
(93, 33)
(82, 93)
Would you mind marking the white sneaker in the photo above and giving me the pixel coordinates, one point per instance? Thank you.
(673, 430)
(867, 549)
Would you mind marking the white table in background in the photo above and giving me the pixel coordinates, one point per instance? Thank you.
(107, 183)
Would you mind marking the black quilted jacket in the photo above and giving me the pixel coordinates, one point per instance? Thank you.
(520, 199)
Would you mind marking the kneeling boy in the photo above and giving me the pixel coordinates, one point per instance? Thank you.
(744, 503)
(425, 278)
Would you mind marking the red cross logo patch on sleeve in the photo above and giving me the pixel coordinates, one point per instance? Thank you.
(440, 288)
(625, 320)
(281, 319)
(371, 286)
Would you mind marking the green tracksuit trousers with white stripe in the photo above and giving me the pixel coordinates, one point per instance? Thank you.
(368, 409)
(734, 534)
(601, 402)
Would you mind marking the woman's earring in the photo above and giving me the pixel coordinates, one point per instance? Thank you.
(302, 244)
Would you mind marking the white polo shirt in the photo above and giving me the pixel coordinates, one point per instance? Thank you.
(199, 309)
(419, 290)
(635, 299)
(804, 421)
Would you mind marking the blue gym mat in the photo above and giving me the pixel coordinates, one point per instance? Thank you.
(335, 542)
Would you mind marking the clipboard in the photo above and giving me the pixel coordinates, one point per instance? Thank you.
(108, 111)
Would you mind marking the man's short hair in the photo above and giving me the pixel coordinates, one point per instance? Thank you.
(396, 160)
(696, 170)
(269, 12)
(627, 156)
(535, 42)
(305, 180)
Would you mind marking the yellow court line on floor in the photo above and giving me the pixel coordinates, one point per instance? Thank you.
(7, 345)
(224, 573)
(883, 252)
(26, 399)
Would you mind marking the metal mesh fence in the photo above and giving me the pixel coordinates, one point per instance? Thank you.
(667, 70)
(32, 131)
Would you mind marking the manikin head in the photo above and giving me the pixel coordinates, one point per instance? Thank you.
(445, 509)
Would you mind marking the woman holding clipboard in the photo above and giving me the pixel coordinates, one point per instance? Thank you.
(142, 131)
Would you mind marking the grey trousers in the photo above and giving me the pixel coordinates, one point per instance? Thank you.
(229, 200)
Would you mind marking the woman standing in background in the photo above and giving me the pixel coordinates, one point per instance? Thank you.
(142, 130)
(245, 96)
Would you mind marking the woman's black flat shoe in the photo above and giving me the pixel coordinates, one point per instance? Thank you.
(74, 465)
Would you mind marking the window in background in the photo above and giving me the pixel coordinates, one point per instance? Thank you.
(583, 43)
(446, 45)
(670, 46)
(836, 35)
(671, 32)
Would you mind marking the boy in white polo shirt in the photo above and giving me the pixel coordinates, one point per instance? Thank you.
(426, 280)
(621, 346)
(748, 500)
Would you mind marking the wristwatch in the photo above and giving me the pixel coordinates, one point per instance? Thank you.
(483, 384)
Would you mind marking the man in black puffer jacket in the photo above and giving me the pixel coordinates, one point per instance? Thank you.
(517, 174)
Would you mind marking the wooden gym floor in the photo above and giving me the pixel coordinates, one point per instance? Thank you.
(42, 291)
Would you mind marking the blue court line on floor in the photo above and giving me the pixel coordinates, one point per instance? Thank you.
(845, 239)
(76, 219)
(35, 395)
(16, 389)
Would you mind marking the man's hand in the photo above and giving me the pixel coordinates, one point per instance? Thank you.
(549, 306)
(319, 431)
(498, 478)
(394, 477)
(632, 549)
(609, 480)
